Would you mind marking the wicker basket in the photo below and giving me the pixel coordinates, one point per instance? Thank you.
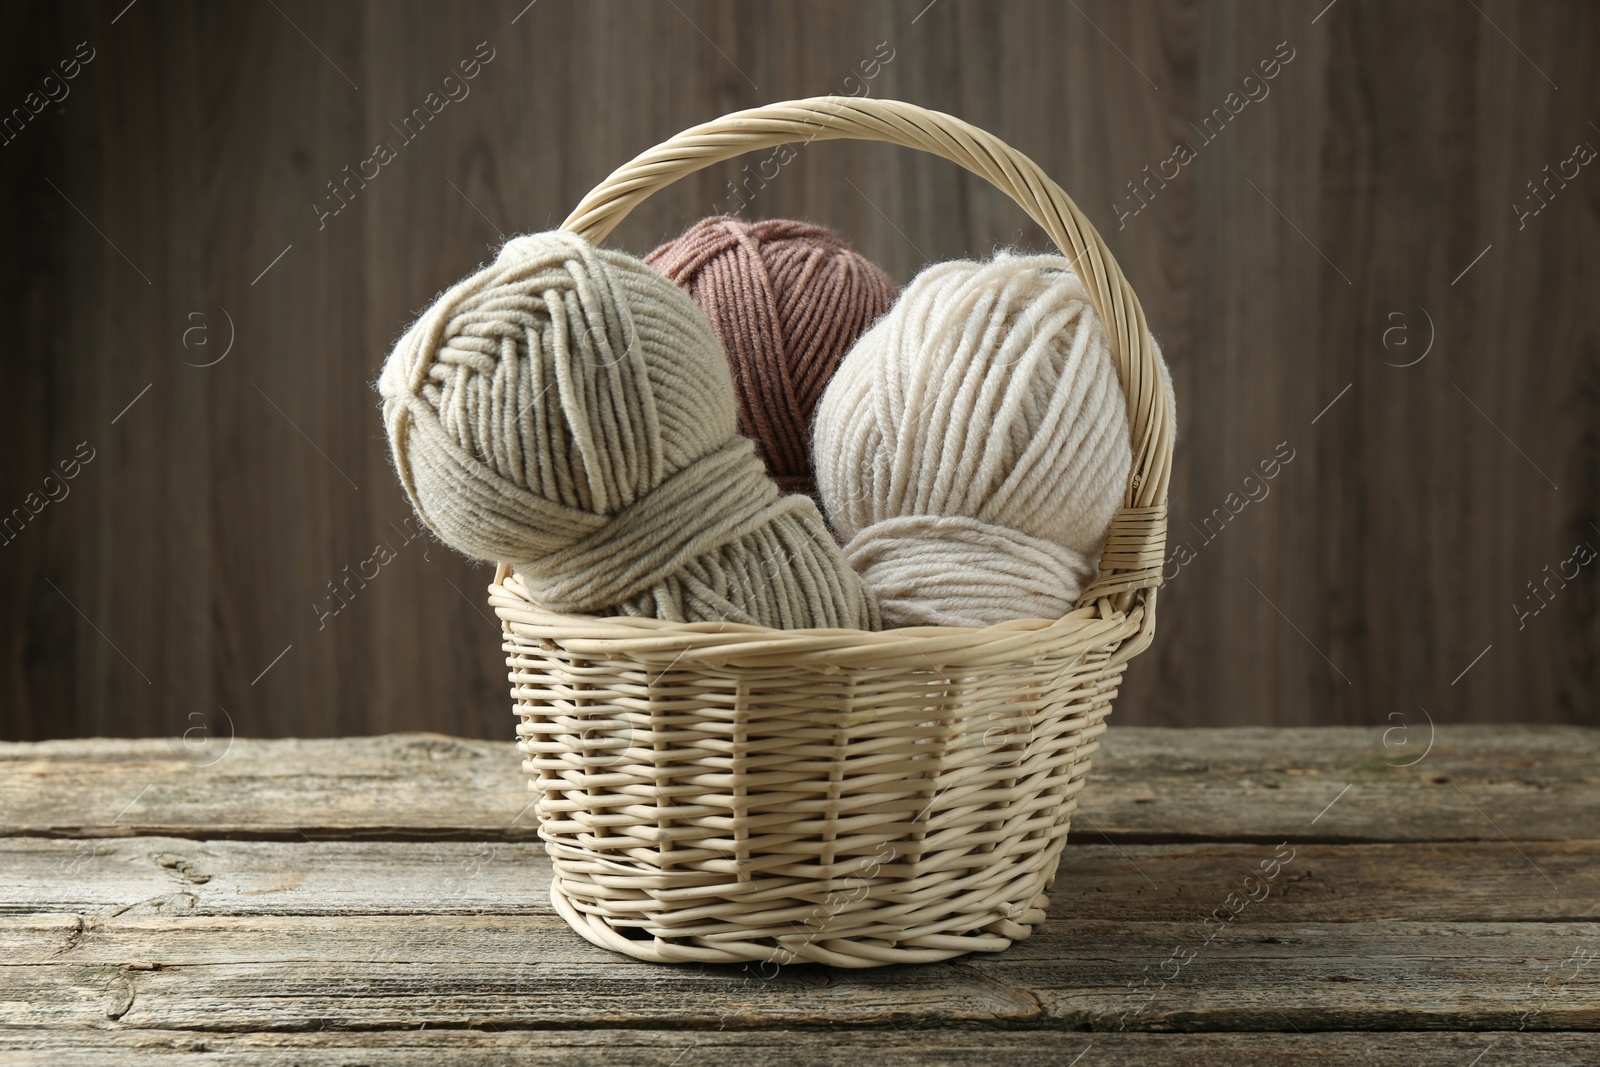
(724, 793)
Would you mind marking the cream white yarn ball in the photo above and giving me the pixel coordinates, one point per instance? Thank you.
(974, 445)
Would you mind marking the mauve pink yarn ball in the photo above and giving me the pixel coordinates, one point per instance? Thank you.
(787, 299)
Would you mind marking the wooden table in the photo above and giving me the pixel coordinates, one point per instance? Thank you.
(1228, 896)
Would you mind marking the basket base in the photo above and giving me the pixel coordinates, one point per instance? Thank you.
(835, 952)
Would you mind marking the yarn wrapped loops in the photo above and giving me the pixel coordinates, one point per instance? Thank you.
(567, 410)
(974, 445)
(787, 299)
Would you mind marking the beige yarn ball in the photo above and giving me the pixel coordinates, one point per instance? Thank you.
(974, 445)
(568, 410)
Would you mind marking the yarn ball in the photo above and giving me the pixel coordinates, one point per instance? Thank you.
(787, 299)
(974, 445)
(567, 410)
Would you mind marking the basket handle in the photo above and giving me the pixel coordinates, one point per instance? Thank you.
(1133, 556)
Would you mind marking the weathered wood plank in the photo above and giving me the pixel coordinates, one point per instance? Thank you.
(1456, 881)
(183, 876)
(350, 972)
(839, 1048)
(421, 784)
(1315, 976)
(1150, 785)
(1404, 781)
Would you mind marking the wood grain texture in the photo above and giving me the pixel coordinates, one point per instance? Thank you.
(1148, 785)
(1441, 881)
(835, 1048)
(395, 916)
(184, 580)
(364, 972)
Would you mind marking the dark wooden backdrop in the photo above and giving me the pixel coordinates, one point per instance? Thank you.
(1362, 215)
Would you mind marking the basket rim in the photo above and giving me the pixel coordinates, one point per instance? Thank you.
(730, 645)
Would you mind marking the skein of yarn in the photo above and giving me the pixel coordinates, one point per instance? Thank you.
(787, 299)
(974, 445)
(567, 409)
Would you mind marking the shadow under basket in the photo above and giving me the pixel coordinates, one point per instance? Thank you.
(714, 792)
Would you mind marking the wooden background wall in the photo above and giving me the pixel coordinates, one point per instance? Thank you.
(175, 305)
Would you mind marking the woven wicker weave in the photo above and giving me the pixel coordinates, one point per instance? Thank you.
(725, 793)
